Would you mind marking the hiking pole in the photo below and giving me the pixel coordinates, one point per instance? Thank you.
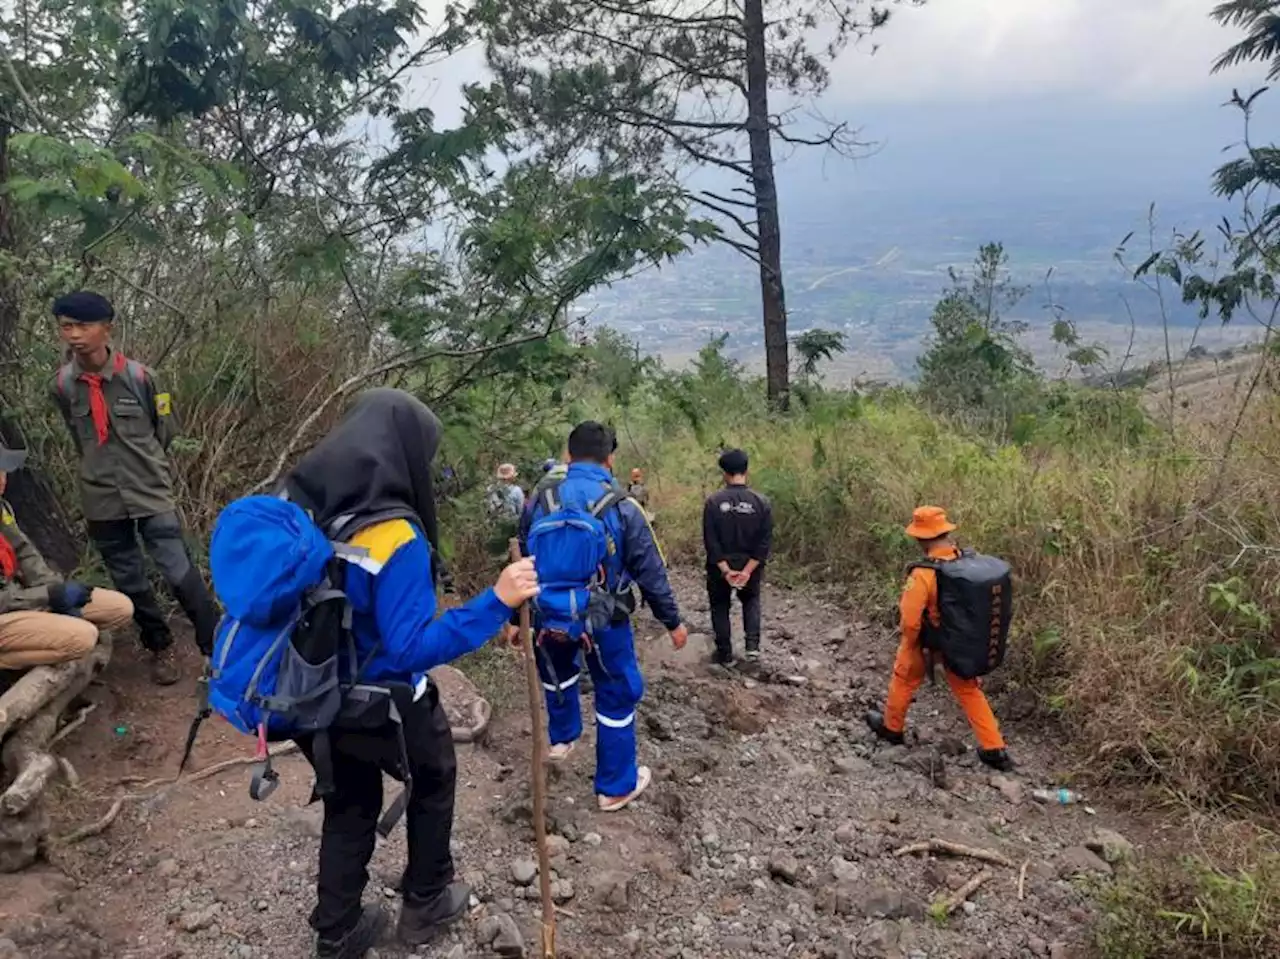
(538, 780)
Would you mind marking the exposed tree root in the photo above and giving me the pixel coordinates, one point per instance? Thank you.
(944, 847)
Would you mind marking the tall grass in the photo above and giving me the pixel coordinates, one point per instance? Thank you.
(1144, 610)
(1147, 572)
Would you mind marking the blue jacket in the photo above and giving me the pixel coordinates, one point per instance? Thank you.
(637, 559)
(393, 602)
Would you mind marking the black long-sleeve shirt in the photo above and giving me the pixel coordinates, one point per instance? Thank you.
(737, 526)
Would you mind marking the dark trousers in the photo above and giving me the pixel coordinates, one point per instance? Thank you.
(720, 595)
(351, 813)
(121, 543)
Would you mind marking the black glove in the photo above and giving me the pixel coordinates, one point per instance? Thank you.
(67, 598)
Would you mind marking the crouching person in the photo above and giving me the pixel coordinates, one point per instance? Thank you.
(340, 562)
(957, 604)
(44, 620)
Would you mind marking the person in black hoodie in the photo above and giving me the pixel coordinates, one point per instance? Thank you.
(368, 484)
(737, 530)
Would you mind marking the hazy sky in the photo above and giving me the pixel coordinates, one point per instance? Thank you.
(951, 51)
(967, 51)
(1013, 98)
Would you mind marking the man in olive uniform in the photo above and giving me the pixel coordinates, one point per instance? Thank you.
(122, 426)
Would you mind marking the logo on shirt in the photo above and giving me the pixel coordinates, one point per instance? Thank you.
(743, 509)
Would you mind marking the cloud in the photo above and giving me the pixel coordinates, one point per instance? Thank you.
(966, 50)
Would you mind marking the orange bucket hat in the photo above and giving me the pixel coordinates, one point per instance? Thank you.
(929, 522)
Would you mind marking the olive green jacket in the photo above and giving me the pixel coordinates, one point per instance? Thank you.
(29, 588)
(128, 476)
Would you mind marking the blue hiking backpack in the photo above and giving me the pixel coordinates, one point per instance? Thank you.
(284, 661)
(570, 545)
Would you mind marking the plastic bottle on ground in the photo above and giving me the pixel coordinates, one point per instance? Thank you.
(1061, 797)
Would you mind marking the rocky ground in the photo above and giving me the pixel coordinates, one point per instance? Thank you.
(771, 828)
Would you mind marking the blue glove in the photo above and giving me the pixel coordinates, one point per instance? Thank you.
(67, 598)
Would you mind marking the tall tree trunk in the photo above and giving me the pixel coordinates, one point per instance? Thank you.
(773, 301)
(29, 490)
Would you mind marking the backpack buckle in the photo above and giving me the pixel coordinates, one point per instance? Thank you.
(265, 778)
(264, 781)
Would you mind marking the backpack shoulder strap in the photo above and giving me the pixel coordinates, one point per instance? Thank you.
(62, 382)
(135, 378)
(933, 564)
(611, 498)
(550, 496)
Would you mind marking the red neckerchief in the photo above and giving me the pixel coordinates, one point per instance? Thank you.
(8, 558)
(98, 399)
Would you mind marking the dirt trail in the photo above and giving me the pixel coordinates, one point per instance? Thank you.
(770, 829)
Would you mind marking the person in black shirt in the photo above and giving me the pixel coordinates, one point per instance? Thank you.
(737, 528)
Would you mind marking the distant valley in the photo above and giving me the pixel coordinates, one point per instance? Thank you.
(875, 273)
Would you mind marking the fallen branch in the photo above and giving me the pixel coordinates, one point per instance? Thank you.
(284, 750)
(944, 847)
(75, 724)
(99, 826)
(952, 903)
(38, 770)
(1022, 880)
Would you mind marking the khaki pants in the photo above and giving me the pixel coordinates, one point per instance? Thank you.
(41, 638)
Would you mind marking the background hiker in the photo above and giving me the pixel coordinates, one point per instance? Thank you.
(921, 624)
(44, 619)
(637, 490)
(504, 497)
(368, 483)
(122, 426)
(737, 530)
(553, 473)
(589, 565)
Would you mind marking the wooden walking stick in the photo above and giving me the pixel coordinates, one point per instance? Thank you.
(538, 779)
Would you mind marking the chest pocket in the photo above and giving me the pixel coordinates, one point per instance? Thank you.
(83, 418)
(129, 417)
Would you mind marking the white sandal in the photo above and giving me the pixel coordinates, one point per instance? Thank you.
(644, 775)
(559, 752)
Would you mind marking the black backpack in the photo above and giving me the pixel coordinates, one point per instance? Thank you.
(975, 606)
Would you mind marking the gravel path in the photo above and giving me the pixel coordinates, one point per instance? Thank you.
(771, 829)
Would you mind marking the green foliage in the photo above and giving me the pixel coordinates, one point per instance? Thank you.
(974, 363)
(1261, 21)
(1180, 910)
(815, 347)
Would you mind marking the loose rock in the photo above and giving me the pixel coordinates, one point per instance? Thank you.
(1011, 789)
(501, 934)
(1079, 861)
(784, 867)
(524, 871)
(1111, 846)
(611, 889)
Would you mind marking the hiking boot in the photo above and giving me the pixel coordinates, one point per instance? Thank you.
(722, 657)
(164, 667)
(356, 943)
(559, 752)
(613, 803)
(420, 922)
(875, 721)
(997, 759)
(753, 654)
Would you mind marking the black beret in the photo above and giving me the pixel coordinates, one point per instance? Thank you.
(84, 306)
(733, 462)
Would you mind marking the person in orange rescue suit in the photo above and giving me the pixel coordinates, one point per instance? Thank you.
(919, 605)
